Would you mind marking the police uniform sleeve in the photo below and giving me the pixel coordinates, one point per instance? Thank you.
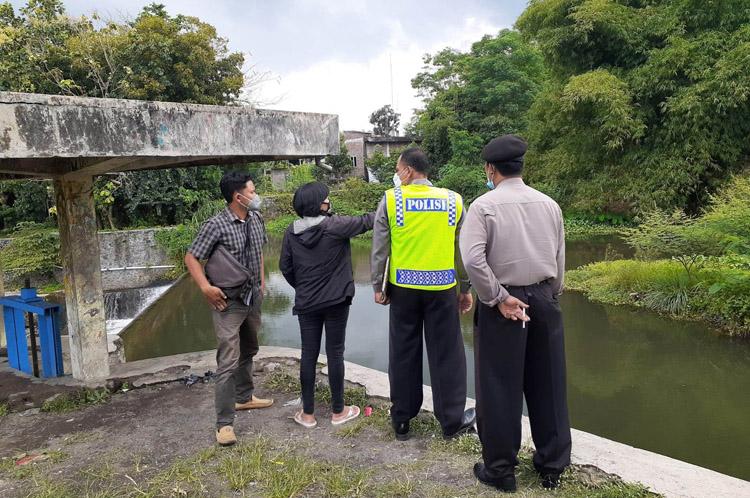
(473, 245)
(381, 245)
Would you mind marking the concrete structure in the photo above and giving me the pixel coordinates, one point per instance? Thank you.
(130, 259)
(362, 145)
(73, 139)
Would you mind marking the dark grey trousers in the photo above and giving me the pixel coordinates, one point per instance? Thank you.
(237, 336)
(512, 362)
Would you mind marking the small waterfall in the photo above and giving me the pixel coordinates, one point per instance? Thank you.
(123, 306)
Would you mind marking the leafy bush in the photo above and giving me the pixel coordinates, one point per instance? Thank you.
(719, 291)
(354, 196)
(724, 228)
(467, 181)
(33, 250)
(176, 240)
(381, 165)
(298, 176)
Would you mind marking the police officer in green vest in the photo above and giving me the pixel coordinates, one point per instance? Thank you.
(415, 248)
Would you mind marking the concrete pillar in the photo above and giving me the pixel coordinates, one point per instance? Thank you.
(84, 297)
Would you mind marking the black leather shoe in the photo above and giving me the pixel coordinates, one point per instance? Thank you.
(402, 430)
(550, 481)
(507, 483)
(467, 424)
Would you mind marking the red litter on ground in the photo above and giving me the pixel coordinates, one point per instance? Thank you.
(368, 411)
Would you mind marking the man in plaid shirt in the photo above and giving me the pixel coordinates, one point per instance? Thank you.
(240, 230)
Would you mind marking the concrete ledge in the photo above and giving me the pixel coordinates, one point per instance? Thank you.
(37, 133)
(670, 477)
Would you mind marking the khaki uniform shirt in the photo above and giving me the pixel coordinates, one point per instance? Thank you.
(513, 235)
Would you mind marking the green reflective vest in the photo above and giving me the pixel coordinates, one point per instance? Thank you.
(423, 233)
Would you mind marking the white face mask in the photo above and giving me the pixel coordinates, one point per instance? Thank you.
(255, 203)
(396, 180)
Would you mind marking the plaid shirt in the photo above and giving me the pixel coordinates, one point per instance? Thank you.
(244, 239)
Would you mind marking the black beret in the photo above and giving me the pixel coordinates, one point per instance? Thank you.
(504, 148)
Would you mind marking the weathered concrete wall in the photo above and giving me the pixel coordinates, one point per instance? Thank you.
(131, 248)
(122, 135)
(128, 248)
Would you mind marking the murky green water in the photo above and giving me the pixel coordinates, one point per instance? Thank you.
(672, 387)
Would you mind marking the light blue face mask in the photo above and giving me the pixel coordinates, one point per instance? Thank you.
(396, 180)
(490, 184)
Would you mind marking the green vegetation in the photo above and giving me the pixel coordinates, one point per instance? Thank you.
(4, 410)
(75, 401)
(578, 228)
(283, 382)
(33, 250)
(471, 98)
(645, 105)
(686, 267)
(156, 56)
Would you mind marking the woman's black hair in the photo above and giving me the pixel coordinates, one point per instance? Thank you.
(308, 198)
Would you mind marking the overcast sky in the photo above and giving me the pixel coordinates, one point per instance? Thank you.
(335, 56)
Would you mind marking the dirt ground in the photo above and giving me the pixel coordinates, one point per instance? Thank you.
(159, 441)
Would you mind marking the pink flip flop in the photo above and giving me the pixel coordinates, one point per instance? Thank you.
(308, 425)
(351, 415)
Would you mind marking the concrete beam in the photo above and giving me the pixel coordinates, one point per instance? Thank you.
(84, 297)
(36, 128)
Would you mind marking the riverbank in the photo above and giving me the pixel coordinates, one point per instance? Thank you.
(157, 441)
(718, 292)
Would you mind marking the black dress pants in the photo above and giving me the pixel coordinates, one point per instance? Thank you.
(413, 311)
(512, 362)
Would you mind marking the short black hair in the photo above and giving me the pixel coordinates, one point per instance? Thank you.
(231, 182)
(308, 198)
(415, 158)
(509, 168)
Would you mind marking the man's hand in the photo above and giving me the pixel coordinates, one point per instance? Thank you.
(464, 302)
(216, 297)
(381, 298)
(513, 309)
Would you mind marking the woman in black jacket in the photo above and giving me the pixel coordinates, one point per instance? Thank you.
(316, 260)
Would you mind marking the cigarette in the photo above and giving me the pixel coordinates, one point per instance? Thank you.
(523, 322)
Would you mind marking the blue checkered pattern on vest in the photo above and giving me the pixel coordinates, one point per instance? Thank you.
(451, 208)
(418, 277)
(399, 206)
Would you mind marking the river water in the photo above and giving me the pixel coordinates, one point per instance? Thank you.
(672, 387)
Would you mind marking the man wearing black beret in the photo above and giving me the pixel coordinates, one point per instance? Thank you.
(513, 248)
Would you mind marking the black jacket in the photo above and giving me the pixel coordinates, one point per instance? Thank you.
(317, 261)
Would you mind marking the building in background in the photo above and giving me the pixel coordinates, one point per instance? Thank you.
(362, 145)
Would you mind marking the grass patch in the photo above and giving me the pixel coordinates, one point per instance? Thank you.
(4, 410)
(582, 228)
(68, 402)
(284, 382)
(279, 225)
(718, 291)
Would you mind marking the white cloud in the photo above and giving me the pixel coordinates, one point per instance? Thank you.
(353, 90)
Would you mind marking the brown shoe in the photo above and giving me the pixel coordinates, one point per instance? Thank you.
(225, 436)
(253, 403)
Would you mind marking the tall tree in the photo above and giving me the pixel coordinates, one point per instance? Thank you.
(385, 121)
(648, 102)
(473, 97)
(155, 56)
